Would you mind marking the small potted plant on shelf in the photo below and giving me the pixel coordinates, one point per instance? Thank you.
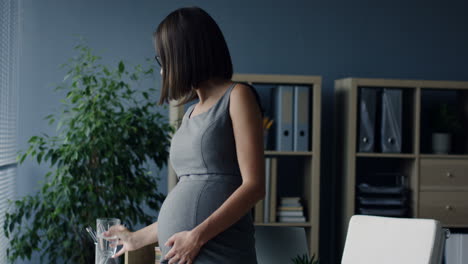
(445, 125)
(303, 259)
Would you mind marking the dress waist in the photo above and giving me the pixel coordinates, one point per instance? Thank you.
(214, 176)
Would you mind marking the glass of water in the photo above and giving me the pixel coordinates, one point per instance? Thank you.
(107, 245)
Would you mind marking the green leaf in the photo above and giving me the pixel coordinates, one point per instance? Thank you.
(22, 158)
(39, 157)
(121, 67)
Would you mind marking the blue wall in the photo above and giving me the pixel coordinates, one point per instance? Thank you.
(394, 39)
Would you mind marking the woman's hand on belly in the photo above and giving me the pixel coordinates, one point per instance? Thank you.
(185, 247)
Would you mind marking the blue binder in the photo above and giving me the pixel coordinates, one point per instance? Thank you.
(367, 119)
(301, 119)
(391, 129)
(283, 95)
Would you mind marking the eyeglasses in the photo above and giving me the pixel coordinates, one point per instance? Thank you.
(158, 59)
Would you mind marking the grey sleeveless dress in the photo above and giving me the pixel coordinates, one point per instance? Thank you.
(203, 155)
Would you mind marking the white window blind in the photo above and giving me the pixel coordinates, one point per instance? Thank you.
(9, 51)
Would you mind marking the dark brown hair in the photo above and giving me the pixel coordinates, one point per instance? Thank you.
(192, 49)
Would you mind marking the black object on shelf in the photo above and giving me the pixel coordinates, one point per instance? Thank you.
(383, 194)
(398, 212)
(365, 188)
(385, 201)
(367, 119)
(391, 128)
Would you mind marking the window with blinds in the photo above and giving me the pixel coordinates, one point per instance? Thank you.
(9, 27)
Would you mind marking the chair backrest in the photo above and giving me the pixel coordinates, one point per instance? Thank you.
(377, 239)
(278, 244)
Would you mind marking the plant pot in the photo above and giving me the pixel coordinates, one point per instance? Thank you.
(441, 143)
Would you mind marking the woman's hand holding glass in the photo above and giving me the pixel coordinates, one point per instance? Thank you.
(120, 235)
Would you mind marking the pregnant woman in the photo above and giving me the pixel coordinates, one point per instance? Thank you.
(217, 152)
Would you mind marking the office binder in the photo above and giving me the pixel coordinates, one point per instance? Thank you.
(258, 211)
(266, 201)
(301, 121)
(265, 92)
(273, 188)
(367, 119)
(283, 95)
(391, 126)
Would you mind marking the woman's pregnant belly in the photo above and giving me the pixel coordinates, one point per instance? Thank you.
(194, 199)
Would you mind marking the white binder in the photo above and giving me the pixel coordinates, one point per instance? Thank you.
(301, 121)
(283, 95)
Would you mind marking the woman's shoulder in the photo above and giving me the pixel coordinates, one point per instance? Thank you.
(244, 95)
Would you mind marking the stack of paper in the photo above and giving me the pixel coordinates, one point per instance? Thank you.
(290, 209)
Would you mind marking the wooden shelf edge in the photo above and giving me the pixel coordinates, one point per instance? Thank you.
(305, 224)
(408, 83)
(277, 78)
(386, 155)
(287, 153)
(446, 156)
(443, 189)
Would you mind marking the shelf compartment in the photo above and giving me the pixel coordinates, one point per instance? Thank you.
(367, 167)
(294, 175)
(266, 92)
(374, 108)
(288, 153)
(388, 172)
(457, 102)
(386, 155)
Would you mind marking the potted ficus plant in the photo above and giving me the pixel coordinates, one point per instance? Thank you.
(445, 125)
(108, 131)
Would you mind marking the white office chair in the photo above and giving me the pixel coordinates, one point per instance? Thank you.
(376, 239)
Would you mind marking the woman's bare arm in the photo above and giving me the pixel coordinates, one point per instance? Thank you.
(145, 236)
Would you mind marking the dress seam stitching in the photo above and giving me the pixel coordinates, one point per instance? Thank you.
(197, 204)
(208, 127)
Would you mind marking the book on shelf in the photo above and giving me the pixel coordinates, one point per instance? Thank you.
(266, 200)
(289, 208)
(290, 199)
(265, 209)
(273, 191)
(287, 203)
(290, 204)
(294, 219)
(290, 213)
(258, 211)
